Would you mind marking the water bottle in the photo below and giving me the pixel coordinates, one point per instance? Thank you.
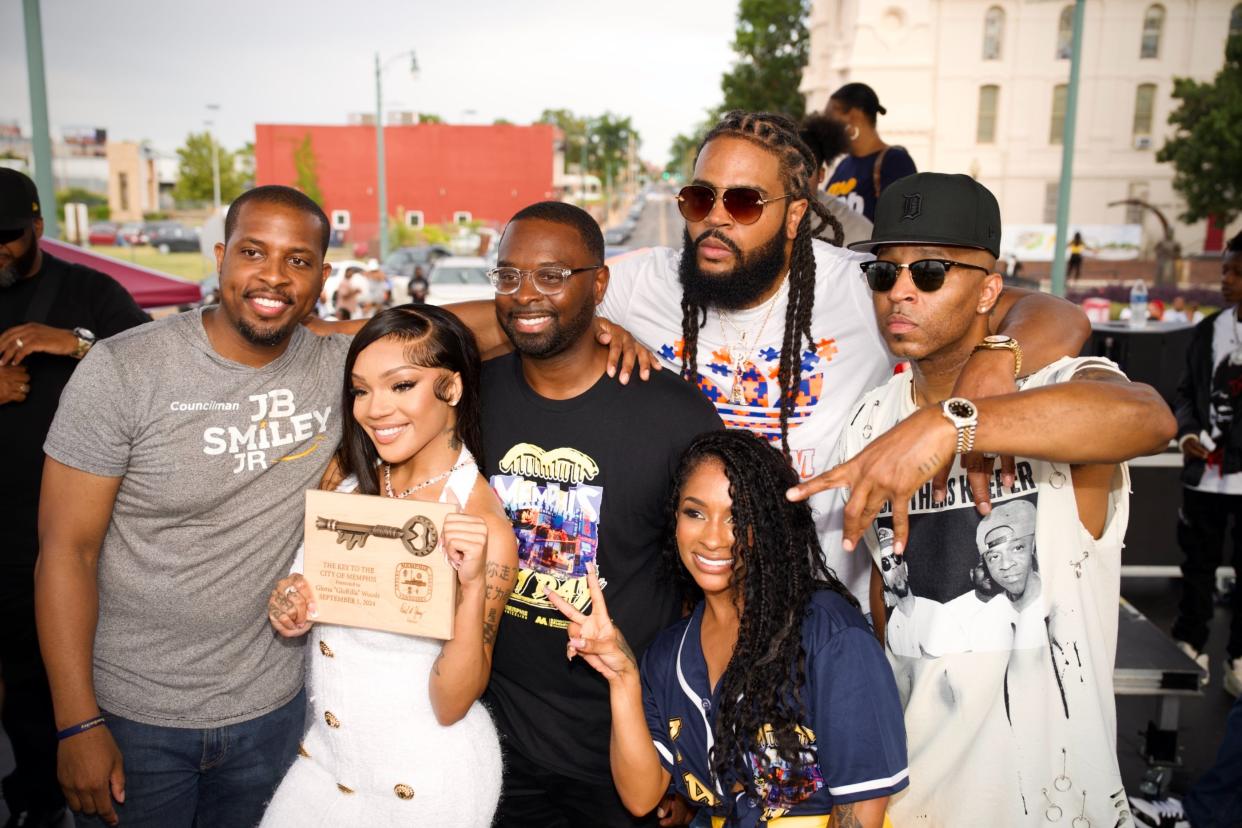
(1138, 305)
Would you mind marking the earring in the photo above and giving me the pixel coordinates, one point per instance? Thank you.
(852, 132)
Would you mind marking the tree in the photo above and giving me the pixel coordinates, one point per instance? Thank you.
(429, 118)
(572, 127)
(307, 167)
(608, 152)
(772, 45)
(1206, 150)
(96, 203)
(194, 171)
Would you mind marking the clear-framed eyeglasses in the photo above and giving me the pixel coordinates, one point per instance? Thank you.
(547, 280)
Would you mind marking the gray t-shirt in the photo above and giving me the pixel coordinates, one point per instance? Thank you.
(214, 457)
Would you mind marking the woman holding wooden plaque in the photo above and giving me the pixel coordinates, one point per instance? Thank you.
(397, 734)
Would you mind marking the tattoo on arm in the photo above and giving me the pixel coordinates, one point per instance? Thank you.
(929, 466)
(843, 816)
(435, 667)
(497, 570)
(489, 627)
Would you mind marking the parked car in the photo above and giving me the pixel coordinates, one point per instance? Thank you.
(132, 233)
(459, 279)
(102, 234)
(402, 261)
(618, 234)
(173, 237)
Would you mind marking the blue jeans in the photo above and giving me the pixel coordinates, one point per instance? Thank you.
(219, 777)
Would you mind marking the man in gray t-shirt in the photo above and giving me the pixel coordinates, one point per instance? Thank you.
(172, 500)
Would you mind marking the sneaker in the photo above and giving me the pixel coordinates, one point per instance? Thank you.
(1198, 658)
(1233, 677)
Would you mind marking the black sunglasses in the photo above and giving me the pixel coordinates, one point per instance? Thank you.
(745, 204)
(891, 562)
(928, 274)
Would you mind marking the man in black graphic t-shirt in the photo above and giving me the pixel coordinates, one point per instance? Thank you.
(51, 312)
(583, 467)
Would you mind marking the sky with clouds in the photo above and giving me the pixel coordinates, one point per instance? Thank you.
(146, 69)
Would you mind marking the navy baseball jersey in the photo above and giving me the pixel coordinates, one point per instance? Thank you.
(853, 736)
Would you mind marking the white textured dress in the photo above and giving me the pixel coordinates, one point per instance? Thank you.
(373, 753)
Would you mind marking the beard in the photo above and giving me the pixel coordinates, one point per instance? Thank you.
(562, 332)
(21, 267)
(741, 287)
(266, 337)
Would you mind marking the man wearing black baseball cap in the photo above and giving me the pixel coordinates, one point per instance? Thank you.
(50, 313)
(1020, 711)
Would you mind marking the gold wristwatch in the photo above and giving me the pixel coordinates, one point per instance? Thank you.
(85, 340)
(1000, 342)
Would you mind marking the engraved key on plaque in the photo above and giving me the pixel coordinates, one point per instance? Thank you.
(418, 535)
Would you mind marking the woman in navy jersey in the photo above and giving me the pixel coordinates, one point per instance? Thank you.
(772, 699)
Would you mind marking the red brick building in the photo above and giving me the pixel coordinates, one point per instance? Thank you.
(436, 172)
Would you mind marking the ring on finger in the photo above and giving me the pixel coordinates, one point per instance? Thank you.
(24, 388)
(291, 590)
(20, 344)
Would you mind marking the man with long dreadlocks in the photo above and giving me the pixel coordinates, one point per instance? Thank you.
(775, 326)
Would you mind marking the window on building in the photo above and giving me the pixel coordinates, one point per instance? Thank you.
(1153, 25)
(1144, 107)
(993, 33)
(1057, 126)
(985, 131)
(414, 218)
(1136, 190)
(462, 217)
(1235, 20)
(340, 219)
(1052, 193)
(1065, 33)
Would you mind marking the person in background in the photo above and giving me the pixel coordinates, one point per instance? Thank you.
(826, 139)
(1210, 437)
(1076, 248)
(871, 164)
(51, 313)
(349, 293)
(377, 293)
(1176, 312)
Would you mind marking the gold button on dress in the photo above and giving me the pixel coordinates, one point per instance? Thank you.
(325, 649)
(332, 720)
(403, 792)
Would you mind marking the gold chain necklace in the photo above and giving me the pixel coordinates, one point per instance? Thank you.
(739, 359)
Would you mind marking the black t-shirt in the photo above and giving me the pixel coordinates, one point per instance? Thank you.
(853, 180)
(582, 479)
(85, 299)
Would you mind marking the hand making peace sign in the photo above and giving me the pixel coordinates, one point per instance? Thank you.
(594, 637)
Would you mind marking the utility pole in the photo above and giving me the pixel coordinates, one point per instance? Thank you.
(40, 135)
(381, 188)
(215, 158)
(381, 174)
(1067, 153)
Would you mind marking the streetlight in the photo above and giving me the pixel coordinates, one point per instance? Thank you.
(215, 158)
(381, 175)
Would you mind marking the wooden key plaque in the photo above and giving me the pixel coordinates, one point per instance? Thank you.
(378, 563)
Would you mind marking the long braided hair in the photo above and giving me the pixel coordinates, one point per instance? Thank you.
(798, 165)
(778, 565)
